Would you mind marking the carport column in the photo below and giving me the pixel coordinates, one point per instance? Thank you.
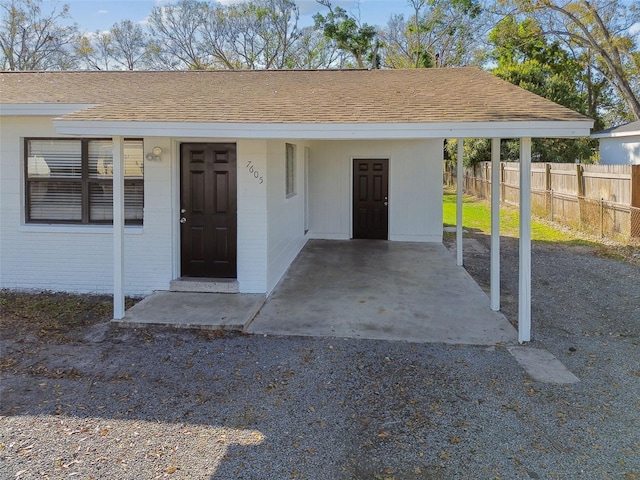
(495, 224)
(459, 180)
(118, 228)
(524, 294)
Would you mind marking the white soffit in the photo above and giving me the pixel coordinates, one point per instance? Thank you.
(329, 131)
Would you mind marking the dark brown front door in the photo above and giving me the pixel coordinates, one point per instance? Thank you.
(208, 209)
(370, 198)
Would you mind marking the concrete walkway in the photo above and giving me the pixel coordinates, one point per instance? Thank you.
(358, 289)
(381, 290)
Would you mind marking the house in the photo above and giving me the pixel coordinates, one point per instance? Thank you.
(122, 182)
(620, 145)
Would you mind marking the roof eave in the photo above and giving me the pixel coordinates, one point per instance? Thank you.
(616, 134)
(329, 131)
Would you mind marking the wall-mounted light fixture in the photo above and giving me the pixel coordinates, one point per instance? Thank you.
(154, 155)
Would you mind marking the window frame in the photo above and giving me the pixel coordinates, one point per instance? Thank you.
(85, 181)
(290, 171)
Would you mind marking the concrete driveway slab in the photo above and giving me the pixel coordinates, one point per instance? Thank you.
(381, 290)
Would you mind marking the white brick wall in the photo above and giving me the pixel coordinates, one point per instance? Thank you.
(415, 187)
(286, 235)
(78, 258)
(270, 226)
(252, 216)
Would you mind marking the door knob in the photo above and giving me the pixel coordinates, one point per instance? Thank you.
(386, 203)
(183, 220)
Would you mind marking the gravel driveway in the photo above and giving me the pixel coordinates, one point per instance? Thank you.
(114, 403)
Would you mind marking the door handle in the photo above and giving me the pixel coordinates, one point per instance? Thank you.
(386, 203)
(183, 220)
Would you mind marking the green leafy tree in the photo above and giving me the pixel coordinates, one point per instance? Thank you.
(359, 40)
(525, 58)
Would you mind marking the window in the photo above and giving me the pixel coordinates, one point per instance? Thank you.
(290, 170)
(71, 181)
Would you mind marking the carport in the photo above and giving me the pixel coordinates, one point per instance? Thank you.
(381, 290)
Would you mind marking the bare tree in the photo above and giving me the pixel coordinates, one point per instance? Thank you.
(439, 33)
(129, 44)
(31, 39)
(314, 51)
(95, 50)
(219, 36)
(176, 38)
(256, 34)
(601, 29)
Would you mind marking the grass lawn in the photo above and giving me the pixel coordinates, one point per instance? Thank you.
(476, 215)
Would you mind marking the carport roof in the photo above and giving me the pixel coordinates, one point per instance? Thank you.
(451, 95)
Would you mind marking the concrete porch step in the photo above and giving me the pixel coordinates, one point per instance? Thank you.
(204, 285)
(212, 311)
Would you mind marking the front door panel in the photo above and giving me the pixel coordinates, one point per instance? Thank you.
(371, 198)
(208, 205)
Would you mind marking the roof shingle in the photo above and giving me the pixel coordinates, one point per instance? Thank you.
(285, 96)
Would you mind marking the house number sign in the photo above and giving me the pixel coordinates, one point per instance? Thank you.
(254, 172)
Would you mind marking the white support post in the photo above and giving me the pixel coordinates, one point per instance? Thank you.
(495, 224)
(524, 294)
(460, 175)
(118, 228)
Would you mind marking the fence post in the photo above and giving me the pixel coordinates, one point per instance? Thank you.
(547, 187)
(487, 180)
(580, 179)
(502, 186)
(580, 192)
(635, 201)
(602, 218)
(547, 176)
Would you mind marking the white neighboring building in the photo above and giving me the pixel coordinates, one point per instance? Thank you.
(620, 145)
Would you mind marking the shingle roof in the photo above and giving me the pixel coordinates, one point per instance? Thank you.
(627, 129)
(285, 96)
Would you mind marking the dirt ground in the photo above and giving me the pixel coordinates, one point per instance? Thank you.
(80, 398)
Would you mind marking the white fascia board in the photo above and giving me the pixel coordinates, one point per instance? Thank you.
(328, 131)
(40, 109)
(616, 134)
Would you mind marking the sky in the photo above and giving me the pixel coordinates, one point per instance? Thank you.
(92, 15)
